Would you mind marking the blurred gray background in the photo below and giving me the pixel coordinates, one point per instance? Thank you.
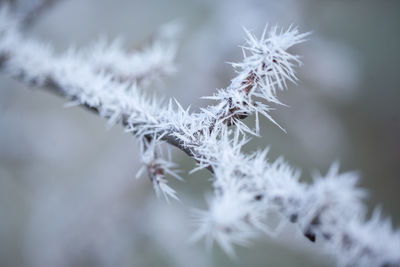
(68, 193)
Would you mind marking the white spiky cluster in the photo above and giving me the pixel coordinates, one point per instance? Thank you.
(246, 187)
(158, 167)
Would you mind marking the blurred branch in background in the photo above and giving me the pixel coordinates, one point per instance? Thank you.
(37, 10)
(31, 10)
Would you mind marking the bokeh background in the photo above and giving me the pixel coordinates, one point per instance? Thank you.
(68, 193)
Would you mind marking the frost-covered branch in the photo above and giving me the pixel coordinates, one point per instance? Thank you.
(246, 187)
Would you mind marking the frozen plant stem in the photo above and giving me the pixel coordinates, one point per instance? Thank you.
(247, 188)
